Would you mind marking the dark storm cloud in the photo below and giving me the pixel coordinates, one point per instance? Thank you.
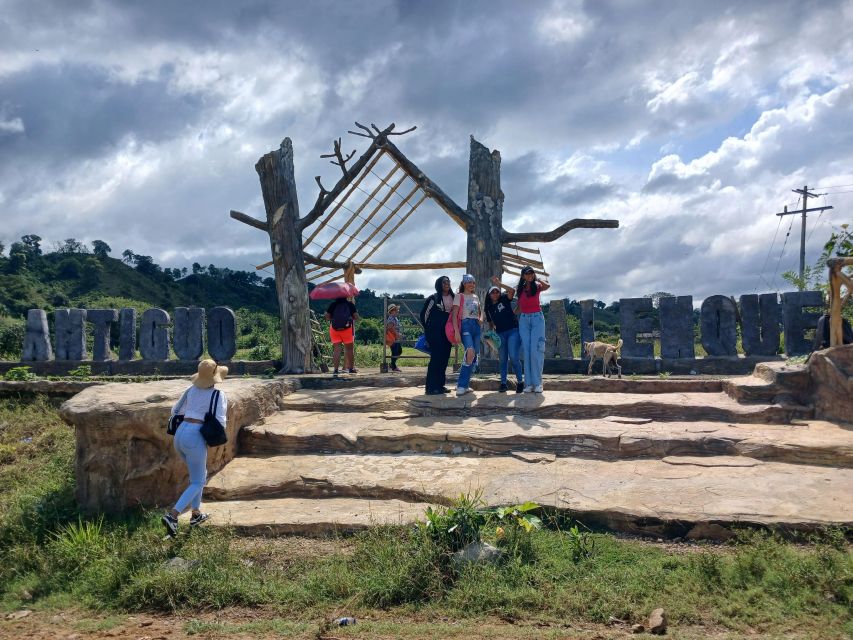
(204, 89)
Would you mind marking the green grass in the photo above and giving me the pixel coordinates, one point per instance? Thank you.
(50, 556)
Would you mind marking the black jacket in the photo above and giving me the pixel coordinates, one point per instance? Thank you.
(432, 314)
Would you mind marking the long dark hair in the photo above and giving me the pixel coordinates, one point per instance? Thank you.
(439, 290)
(522, 285)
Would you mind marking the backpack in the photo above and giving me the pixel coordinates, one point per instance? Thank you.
(341, 316)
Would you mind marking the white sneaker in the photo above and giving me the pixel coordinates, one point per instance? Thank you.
(538, 388)
(469, 390)
(528, 389)
(461, 392)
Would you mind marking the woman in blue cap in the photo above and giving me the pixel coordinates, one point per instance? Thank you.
(467, 316)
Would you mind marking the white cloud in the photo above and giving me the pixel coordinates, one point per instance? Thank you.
(11, 126)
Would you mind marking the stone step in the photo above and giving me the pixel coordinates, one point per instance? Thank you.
(568, 405)
(664, 497)
(308, 517)
(754, 389)
(594, 384)
(610, 438)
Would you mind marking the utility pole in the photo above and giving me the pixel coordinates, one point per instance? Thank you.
(806, 194)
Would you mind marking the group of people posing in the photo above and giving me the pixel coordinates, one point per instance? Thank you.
(452, 318)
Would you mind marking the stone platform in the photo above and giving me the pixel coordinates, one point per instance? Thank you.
(664, 457)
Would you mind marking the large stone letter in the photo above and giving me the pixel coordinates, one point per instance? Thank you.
(676, 327)
(558, 343)
(587, 322)
(718, 321)
(635, 317)
(797, 322)
(102, 319)
(188, 338)
(221, 334)
(127, 335)
(154, 335)
(70, 334)
(37, 338)
(760, 324)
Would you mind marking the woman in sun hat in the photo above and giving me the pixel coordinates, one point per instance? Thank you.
(189, 443)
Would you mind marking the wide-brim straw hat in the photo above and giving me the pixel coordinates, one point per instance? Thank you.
(209, 374)
(391, 307)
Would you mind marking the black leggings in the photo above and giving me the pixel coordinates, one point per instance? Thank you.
(439, 347)
(396, 351)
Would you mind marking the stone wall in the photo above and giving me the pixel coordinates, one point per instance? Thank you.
(124, 456)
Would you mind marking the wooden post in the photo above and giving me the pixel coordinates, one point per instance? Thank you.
(278, 186)
(836, 302)
(484, 216)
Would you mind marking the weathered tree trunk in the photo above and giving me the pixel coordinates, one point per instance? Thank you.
(278, 186)
(485, 213)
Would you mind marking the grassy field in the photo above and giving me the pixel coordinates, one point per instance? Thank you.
(399, 581)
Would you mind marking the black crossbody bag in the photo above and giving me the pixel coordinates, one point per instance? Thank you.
(176, 420)
(211, 429)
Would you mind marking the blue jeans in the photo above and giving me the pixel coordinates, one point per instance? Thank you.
(192, 448)
(531, 326)
(470, 340)
(510, 345)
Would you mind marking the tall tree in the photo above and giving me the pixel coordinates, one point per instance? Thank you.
(100, 248)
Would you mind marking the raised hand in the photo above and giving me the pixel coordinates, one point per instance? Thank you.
(496, 281)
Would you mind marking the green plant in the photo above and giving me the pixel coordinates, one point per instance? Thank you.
(515, 524)
(269, 372)
(82, 372)
(458, 525)
(663, 375)
(19, 374)
(581, 543)
(77, 544)
(260, 352)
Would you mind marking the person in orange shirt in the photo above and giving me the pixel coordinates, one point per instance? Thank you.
(342, 316)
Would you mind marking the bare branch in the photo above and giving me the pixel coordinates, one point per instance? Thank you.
(323, 191)
(368, 133)
(550, 236)
(401, 133)
(249, 220)
(378, 132)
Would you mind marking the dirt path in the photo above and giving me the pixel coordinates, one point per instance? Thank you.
(239, 624)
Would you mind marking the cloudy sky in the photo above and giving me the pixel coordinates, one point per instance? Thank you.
(139, 123)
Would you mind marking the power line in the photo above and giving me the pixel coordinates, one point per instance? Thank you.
(782, 253)
(767, 257)
(837, 186)
(805, 194)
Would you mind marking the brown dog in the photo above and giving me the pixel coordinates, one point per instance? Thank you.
(607, 352)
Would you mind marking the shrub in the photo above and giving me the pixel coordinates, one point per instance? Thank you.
(11, 338)
(19, 374)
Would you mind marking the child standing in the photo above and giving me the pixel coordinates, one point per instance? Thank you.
(393, 333)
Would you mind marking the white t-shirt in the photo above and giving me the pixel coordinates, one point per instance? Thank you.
(196, 403)
(470, 306)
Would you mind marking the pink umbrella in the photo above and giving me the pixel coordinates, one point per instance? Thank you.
(333, 290)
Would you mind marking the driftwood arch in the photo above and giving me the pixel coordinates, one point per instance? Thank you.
(360, 225)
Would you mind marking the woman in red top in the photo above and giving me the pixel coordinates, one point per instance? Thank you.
(531, 326)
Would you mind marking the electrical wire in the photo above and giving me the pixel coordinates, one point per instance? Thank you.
(782, 253)
(837, 186)
(767, 257)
